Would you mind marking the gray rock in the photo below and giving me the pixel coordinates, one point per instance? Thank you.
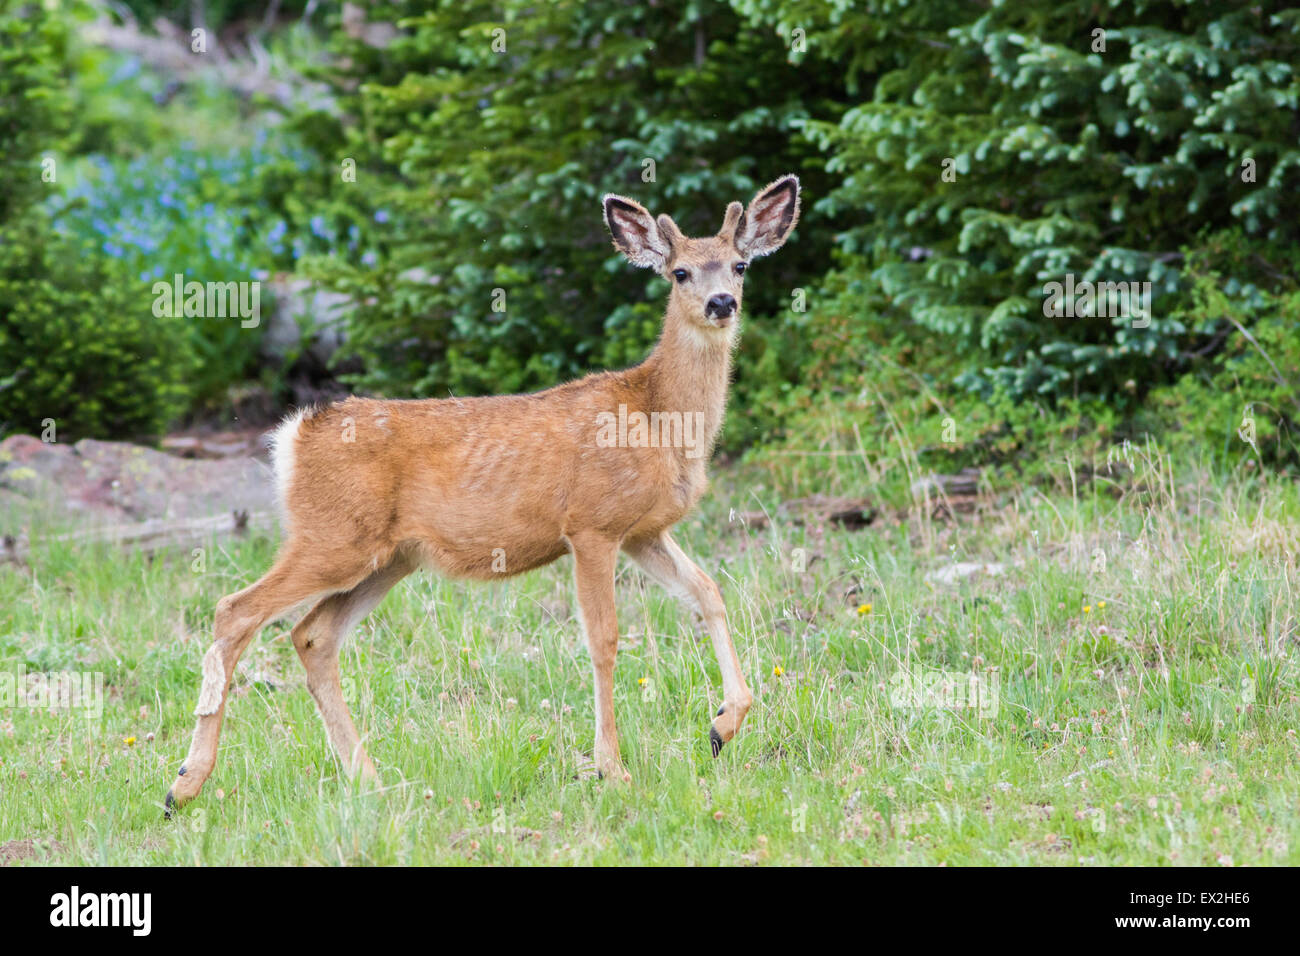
(960, 570)
(116, 480)
(304, 314)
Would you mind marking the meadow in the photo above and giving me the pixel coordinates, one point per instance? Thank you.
(1132, 629)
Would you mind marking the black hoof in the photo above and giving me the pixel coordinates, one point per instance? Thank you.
(169, 806)
(715, 740)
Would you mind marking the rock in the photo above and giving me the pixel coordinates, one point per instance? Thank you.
(301, 305)
(377, 34)
(960, 570)
(116, 480)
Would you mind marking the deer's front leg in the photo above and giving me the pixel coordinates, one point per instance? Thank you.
(594, 559)
(664, 561)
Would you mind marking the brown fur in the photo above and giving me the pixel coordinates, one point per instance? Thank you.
(373, 489)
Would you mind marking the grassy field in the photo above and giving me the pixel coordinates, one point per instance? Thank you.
(1137, 653)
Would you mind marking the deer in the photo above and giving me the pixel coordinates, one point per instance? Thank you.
(373, 489)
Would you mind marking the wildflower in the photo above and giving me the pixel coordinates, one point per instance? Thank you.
(641, 681)
(864, 609)
(130, 741)
(778, 670)
(1101, 605)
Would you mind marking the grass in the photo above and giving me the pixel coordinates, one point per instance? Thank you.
(1141, 639)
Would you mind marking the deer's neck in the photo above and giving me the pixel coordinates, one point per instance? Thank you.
(689, 372)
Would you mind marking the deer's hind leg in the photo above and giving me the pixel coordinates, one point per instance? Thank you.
(319, 637)
(297, 576)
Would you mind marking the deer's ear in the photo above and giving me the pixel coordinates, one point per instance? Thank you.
(669, 232)
(770, 218)
(635, 233)
(735, 211)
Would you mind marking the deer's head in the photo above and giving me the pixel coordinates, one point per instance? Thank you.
(708, 275)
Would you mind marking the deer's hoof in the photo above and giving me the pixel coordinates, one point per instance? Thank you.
(184, 788)
(613, 772)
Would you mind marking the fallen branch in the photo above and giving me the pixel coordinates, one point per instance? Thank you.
(150, 536)
(850, 513)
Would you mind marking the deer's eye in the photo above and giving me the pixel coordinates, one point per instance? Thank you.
(681, 275)
(741, 267)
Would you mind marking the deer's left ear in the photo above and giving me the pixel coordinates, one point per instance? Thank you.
(769, 220)
(636, 234)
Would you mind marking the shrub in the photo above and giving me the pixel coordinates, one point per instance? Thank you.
(488, 167)
(35, 106)
(1242, 404)
(80, 342)
(1062, 157)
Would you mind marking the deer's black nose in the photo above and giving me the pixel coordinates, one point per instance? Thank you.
(720, 306)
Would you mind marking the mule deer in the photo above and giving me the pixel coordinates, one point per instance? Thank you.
(373, 489)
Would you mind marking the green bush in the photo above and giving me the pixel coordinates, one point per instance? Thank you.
(482, 134)
(195, 181)
(486, 170)
(1243, 403)
(483, 167)
(35, 105)
(1062, 158)
(80, 342)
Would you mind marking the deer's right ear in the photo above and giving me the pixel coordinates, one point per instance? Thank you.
(770, 218)
(730, 221)
(635, 233)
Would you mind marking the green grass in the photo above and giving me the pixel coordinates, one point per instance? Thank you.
(1146, 709)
